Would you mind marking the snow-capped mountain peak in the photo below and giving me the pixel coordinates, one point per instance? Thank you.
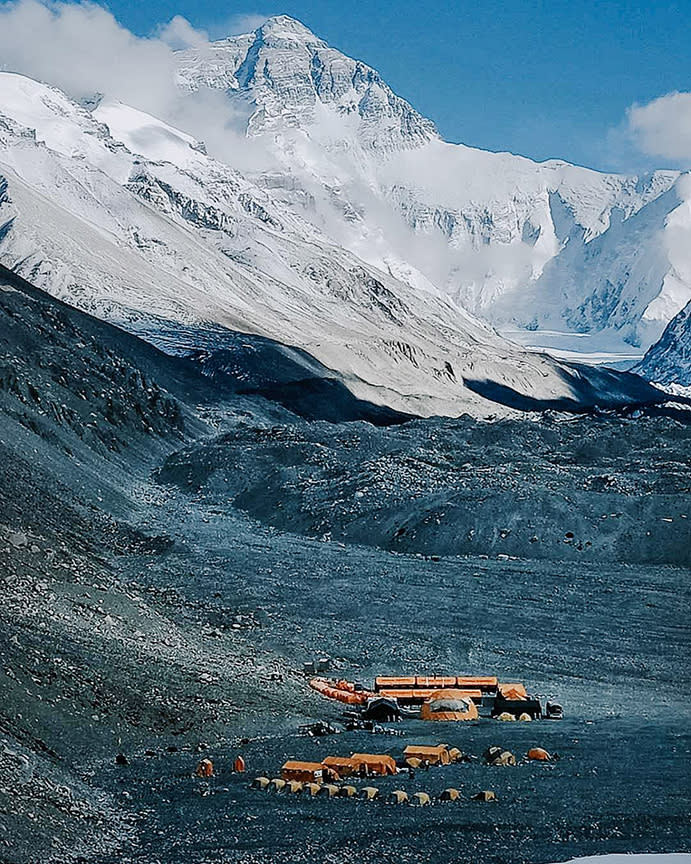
(295, 80)
(340, 169)
(169, 242)
(285, 31)
(533, 247)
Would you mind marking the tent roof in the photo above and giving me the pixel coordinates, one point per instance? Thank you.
(373, 757)
(513, 691)
(295, 765)
(423, 748)
(458, 695)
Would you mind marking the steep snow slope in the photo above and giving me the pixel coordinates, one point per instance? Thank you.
(165, 249)
(341, 149)
(669, 360)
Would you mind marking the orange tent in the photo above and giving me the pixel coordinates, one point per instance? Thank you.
(412, 695)
(513, 691)
(372, 763)
(449, 705)
(306, 772)
(340, 766)
(384, 681)
(438, 755)
(539, 754)
(481, 682)
(436, 682)
(205, 768)
(342, 691)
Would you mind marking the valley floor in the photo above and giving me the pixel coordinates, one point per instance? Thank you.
(167, 645)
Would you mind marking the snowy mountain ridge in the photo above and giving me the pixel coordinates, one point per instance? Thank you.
(355, 234)
(668, 362)
(292, 76)
(369, 171)
(165, 248)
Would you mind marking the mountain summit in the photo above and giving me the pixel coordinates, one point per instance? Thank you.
(289, 74)
(542, 250)
(287, 30)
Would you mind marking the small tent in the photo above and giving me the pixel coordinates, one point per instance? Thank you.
(450, 795)
(513, 691)
(398, 796)
(205, 768)
(498, 756)
(381, 709)
(437, 755)
(485, 795)
(538, 754)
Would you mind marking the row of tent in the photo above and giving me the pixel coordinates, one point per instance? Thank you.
(366, 793)
(336, 768)
(439, 697)
(367, 764)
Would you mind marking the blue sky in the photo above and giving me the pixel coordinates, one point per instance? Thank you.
(544, 79)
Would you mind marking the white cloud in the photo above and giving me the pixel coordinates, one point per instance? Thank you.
(663, 127)
(178, 33)
(82, 49)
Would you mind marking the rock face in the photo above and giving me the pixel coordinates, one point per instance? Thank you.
(669, 360)
(538, 246)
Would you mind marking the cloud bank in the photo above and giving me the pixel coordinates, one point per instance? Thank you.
(83, 50)
(662, 128)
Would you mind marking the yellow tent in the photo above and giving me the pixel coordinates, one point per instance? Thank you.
(450, 795)
(437, 755)
(398, 796)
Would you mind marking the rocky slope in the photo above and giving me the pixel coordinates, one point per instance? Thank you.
(669, 360)
(172, 550)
